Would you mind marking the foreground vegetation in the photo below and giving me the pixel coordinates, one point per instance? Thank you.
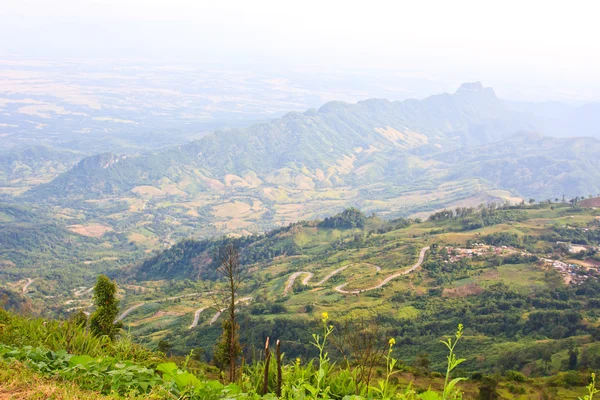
(64, 360)
(522, 278)
(68, 352)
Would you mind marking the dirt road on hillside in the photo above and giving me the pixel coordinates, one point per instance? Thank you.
(340, 288)
(197, 317)
(26, 286)
(130, 309)
(309, 275)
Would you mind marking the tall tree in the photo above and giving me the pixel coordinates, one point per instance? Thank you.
(573, 353)
(487, 389)
(230, 269)
(102, 321)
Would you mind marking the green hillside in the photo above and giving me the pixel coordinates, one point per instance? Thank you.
(24, 166)
(396, 159)
(335, 139)
(523, 279)
(489, 268)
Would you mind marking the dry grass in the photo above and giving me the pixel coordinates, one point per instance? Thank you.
(91, 230)
(140, 239)
(463, 291)
(407, 139)
(234, 180)
(145, 190)
(232, 209)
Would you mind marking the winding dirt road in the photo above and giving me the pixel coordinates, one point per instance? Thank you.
(26, 286)
(218, 313)
(340, 288)
(130, 309)
(197, 317)
(80, 291)
(290, 282)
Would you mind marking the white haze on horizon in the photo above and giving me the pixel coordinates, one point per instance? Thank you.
(524, 49)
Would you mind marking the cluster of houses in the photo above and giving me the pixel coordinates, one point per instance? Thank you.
(571, 273)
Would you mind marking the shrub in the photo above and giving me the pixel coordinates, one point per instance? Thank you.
(515, 376)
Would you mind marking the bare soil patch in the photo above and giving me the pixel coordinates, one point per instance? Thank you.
(463, 291)
(91, 230)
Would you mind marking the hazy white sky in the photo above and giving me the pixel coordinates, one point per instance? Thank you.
(551, 45)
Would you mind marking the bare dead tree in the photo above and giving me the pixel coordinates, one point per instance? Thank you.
(230, 269)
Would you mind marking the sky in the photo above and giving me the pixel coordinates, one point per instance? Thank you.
(550, 48)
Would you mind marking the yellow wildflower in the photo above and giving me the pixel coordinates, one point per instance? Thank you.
(325, 316)
(392, 342)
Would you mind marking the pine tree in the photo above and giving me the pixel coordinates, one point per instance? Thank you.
(102, 321)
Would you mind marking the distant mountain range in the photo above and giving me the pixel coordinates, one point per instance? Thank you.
(29, 165)
(355, 144)
(396, 158)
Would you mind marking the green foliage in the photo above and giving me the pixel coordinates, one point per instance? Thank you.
(121, 375)
(515, 376)
(70, 336)
(591, 389)
(102, 321)
(488, 389)
(347, 219)
(453, 362)
(502, 239)
(102, 374)
(222, 353)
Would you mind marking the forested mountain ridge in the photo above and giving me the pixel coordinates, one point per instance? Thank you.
(338, 144)
(396, 158)
(531, 164)
(25, 166)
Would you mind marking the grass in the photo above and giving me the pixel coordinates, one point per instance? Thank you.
(112, 369)
(19, 382)
(325, 250)
(122, 370)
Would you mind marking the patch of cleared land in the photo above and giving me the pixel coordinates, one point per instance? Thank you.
(90, 230)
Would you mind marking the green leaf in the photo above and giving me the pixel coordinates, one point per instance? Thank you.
(167, 368)
(310, 388)
(451, 385)
(80, 360)
(186, 379)
(429, 395)
(321, 374)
